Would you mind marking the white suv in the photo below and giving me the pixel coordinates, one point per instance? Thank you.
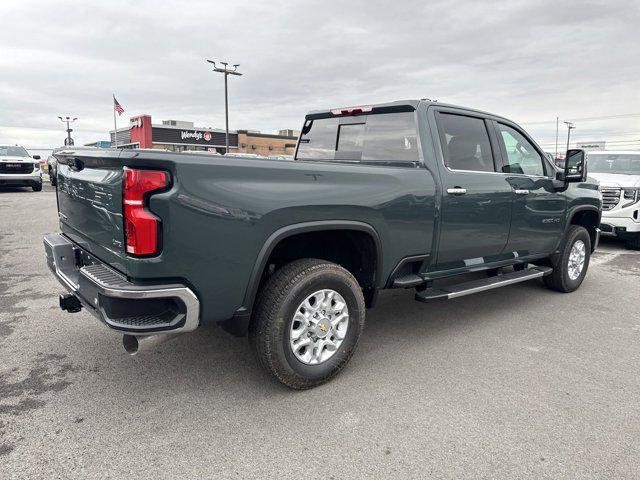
(18, 169)
(619, 175)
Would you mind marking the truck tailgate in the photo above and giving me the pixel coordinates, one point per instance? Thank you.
(90, 204)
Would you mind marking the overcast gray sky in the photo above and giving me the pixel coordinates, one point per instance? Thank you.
(527, 60)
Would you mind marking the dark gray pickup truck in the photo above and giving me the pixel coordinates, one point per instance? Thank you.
(396, 195)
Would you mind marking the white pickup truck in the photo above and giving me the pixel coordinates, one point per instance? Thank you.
(619, 175)
(19, 169)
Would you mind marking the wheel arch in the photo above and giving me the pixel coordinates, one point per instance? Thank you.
(589, 218)
(300, 228)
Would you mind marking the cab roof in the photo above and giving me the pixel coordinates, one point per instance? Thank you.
(395, 106)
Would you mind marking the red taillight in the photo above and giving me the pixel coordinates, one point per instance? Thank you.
(352, 110)
(141, 227)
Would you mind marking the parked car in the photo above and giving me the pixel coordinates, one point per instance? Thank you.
(619, 175)
(52, 168)
(18, 168)
(396, 195)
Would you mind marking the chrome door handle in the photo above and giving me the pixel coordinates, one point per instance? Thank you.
(521, 192)
(456, 191)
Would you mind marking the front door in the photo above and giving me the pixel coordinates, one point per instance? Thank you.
(538, 207)
(476, 200)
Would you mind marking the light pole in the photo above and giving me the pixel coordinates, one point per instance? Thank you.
(227, 71)
(68, 121)
(570, 127)
(557, 129)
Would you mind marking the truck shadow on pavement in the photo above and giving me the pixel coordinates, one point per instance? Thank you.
(210, 359)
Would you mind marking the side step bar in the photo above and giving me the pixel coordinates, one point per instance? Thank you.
(475, 286)
(408, 281)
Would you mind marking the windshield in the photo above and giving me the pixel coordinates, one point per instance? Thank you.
(8, 151)
(627, 164)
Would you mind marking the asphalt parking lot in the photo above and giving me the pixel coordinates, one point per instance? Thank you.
(519, 382)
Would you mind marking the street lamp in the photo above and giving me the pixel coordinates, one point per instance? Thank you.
(570, 127)
(68, 121)
(227, 71)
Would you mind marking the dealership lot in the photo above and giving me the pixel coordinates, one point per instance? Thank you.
(519, 382)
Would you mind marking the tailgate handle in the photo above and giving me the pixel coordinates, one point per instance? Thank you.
(76, 164)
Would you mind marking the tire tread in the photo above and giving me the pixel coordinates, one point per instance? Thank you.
(270, 298)
(556, 280)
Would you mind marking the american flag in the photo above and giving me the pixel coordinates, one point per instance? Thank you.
(117, 107)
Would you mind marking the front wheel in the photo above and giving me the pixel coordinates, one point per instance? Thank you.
(571, 267)
(307, 322)
(37, 187)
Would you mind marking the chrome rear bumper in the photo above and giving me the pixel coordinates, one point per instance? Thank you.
(122, 305)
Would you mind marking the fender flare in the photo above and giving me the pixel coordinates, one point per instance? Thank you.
(572, 213)
(295, 229)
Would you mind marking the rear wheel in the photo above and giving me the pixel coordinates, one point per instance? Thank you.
(633, 243)
(37, 187)
(307, 322)
(571, 267)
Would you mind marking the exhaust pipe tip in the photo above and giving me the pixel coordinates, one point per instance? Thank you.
(131, 344)
(134, 344)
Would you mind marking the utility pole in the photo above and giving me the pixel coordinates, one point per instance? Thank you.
(570, 127)
(557, 125)
(227, 71)
(68, 121)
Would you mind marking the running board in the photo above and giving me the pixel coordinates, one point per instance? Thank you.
(408, 281)
(475, 286)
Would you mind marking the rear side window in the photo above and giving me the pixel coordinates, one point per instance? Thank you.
(383, 137)
(466, 143)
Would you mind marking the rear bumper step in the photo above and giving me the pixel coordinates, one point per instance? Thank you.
(119, 303)
(475, 286)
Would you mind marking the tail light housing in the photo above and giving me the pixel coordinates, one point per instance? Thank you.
(142, 228)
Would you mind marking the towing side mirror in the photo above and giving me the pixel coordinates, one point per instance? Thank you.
(575, 166)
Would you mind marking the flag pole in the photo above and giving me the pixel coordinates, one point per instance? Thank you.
(115, 122)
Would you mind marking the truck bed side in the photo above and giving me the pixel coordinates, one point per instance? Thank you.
(220, 212)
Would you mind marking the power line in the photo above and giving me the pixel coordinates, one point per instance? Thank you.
(585, 119)
(608, 142)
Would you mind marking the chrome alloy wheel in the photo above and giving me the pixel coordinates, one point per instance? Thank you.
(577, 257)
(319, 327)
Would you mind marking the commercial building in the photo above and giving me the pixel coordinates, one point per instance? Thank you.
(178, 136)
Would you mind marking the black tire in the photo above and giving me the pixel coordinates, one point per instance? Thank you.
(559, 280)
(633, 243)
(37, 188)
(275, 308)
(52, 180)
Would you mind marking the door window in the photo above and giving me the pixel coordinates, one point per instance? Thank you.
(520, 155)
(466, 143)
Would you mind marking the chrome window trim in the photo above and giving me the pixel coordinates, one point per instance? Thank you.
(498, 173)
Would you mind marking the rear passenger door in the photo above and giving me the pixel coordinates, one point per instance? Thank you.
(476, 199)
